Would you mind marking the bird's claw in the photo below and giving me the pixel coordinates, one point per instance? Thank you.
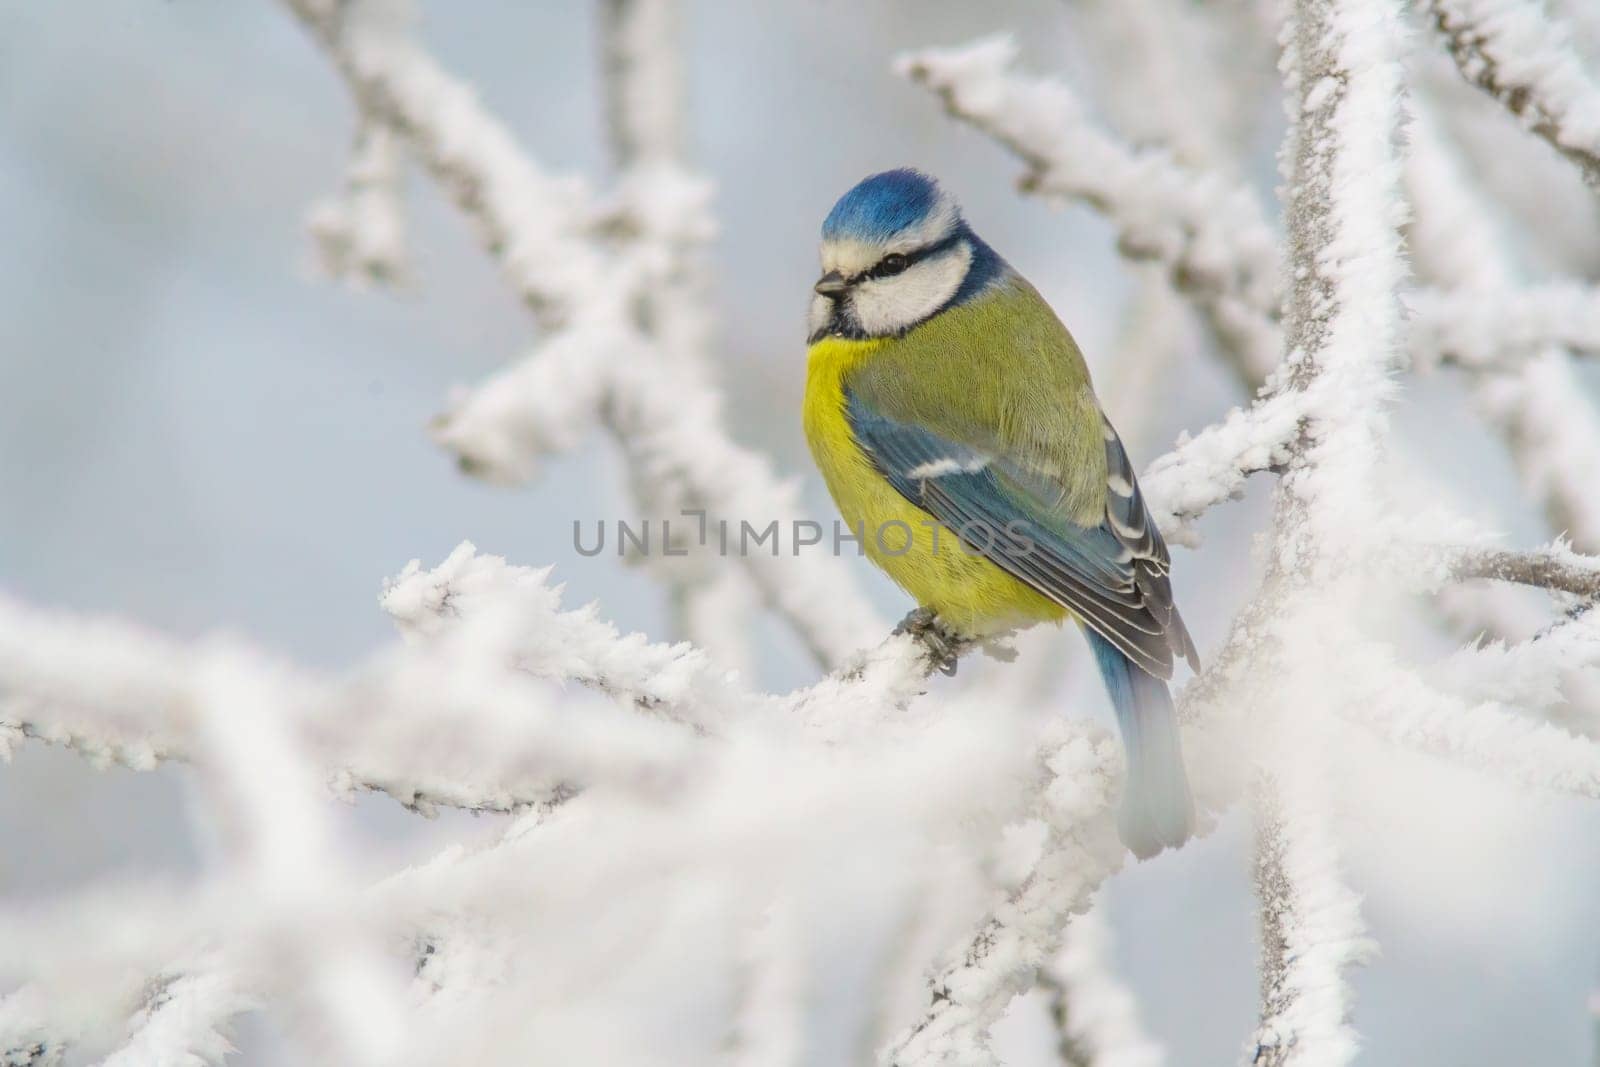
(943, 647)
(916, 622)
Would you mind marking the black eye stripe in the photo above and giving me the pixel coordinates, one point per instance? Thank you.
(881, 269)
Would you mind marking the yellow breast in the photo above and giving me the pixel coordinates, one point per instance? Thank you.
(923, 557)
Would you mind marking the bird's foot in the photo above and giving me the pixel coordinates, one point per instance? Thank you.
(944, 647)
(916, 622)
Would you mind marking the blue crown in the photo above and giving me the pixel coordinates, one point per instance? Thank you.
(881, 206)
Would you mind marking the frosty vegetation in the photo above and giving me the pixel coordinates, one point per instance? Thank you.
(673, 834)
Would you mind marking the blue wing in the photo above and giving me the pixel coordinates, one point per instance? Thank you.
(1114, 576)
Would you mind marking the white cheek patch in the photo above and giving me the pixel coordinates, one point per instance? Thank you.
(889, 305)
(820, 314)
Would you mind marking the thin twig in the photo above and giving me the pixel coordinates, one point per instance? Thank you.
(1515, 51)
(1558, 569)
(1207, 232)
(548, 234)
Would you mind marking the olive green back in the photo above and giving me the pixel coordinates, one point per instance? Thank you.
(1001, 374)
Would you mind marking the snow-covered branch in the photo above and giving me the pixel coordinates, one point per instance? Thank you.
(1177, 75)
(1497, 737)
(1095, 1015)
(536, 224)
(1311, 932)
(555, 242)
(971, 990)
(742, 827)
(1515, 51)
(1323, 427)
(462, 715)
(1502, 329)
(1537, 406)
(660, 232)
(360, 232)
(1217, 249)
(1342, 95)
(644, 80)
(1556, 568)
(1207, 232)
(1213, 465)
(189, 1014)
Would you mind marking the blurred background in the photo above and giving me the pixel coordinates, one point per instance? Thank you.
(199, 433)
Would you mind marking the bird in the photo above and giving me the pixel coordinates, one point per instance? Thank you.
(954, 422)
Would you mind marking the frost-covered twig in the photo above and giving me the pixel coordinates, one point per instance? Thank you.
(1095, 1015)
(1557, 568)
(360, 232)
(1519, 659)
(1183, 76)
(1070, 1051)
(675, 681)
(1342, 96)
(537, 225)
(662, 228)
(878, 682)
(1499, 329)
(29, 1036)
(1539, 409)
(644, 81)
(1207, 232)
(1472, 731)
(725, 843)
(180, 1017)
(1310, 932)
(259, 778)
(769, 1024)
(1213, 465)
(460, 717)
(676, 429)
(1176, 76)
(1527, 674)
(1537, 406)
(971, 990)
(1342, 330)
(1550, 212)
(1515, 51)
(1044, 124)
(1550, 428)
(550, 237)
(183, 1019)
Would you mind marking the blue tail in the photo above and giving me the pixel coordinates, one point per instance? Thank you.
(1157, 811)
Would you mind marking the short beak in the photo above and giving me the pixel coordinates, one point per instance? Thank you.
(831, 284)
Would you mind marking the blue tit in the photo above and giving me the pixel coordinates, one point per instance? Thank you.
(953, 419)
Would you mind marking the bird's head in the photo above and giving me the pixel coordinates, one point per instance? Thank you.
(895, 252)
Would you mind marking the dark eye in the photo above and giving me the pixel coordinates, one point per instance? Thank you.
(893, 263)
